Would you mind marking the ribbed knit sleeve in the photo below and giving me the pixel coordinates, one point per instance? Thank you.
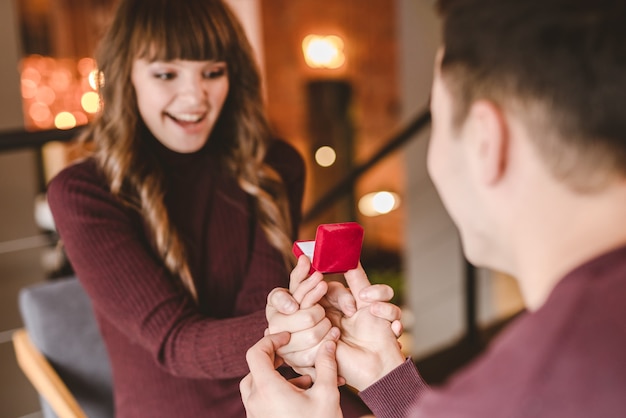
(394, 395)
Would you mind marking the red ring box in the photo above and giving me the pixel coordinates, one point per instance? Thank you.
(336, 249)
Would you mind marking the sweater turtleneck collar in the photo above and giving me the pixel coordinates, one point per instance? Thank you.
(174, 158)
(180, 164)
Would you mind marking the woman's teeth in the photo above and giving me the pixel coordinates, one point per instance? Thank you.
(188, 117)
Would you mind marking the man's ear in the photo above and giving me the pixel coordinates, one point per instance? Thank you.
(490, 140)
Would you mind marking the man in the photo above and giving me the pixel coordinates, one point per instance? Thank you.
(528, 152)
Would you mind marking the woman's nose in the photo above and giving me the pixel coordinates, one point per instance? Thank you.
(194, 89)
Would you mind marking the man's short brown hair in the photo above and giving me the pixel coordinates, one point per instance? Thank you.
(562, 62)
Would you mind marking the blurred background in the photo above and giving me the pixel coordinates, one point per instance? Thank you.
(347, 83)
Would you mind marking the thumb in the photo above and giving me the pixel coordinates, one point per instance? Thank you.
(357, 281)
(326, 365)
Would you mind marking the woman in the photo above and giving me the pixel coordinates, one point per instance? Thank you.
(181, 221)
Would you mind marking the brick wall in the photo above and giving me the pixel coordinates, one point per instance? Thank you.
(368, 29)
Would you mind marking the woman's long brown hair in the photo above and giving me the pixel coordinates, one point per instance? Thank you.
(188, 30)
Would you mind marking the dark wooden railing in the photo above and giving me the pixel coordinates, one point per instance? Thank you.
(19, 139)
(346, 184)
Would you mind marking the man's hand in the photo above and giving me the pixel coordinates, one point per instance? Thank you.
(266, 393)
(368, 348)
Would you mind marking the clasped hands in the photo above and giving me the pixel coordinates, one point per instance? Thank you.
(329, 334)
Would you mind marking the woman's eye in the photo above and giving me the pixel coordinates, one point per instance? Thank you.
(164, 76)
(216, 73)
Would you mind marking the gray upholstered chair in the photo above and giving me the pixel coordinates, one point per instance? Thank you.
(61, 351)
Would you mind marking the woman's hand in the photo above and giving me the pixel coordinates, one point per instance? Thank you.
(298, 312)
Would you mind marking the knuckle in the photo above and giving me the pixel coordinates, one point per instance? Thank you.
(308, 358)
(275, 295)
(312, 315)
(318, 333)
(307, 320)
(249, 355)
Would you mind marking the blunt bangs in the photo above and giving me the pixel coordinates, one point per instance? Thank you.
(198, 31)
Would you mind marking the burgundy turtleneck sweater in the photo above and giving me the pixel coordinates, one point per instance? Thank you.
(171, 357)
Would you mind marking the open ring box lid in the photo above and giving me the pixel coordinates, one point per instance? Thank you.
(336, 248)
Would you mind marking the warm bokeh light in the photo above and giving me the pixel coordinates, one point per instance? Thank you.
(378, 203)
(31, 74)
(323, 51)
(325, 156)
(64, 120)
(45, 95)
(86, 66)
(57, 86)
(90, 102)
(39, 112)
(96, 79)
(384, 202)
(29, 88)
(61, 80)
(81, 118)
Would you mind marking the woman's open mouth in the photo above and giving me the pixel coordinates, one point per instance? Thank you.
(186, 119)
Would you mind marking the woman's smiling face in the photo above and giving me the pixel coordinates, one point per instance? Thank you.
(180, 101)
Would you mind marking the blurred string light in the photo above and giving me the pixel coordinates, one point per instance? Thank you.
(45, 95)
(85, 66)
(325, 156)
(64, 120)
(29, 88)
(61, 80)
(39, 112)
(96, 79)
(90, 102)
(81, 118)
(323, 51)
(378, 203)
(58, 93)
